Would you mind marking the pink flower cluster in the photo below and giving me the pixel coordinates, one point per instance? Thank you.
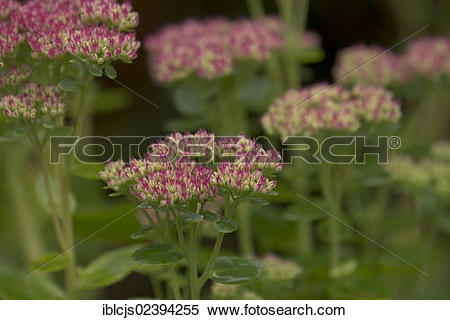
(334, 108)
(211, 48)
(89, 29)
(14, 76)
(429, 56)
(33, 101)
(119, 16)
(373, 65)
(10, 35)
(6, 7)
(176, 179)
(369, 65)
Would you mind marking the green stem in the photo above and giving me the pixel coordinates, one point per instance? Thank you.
(256, 8)
(70, 274)
(82, 112)
(193, 273)
(272, 63)
(305, 237)
(15, 161)
(294, 18)
(245, 233)
(332, 195)
(174, 283)
(157, 288)
(212, 259)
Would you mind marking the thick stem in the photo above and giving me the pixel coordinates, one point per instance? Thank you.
(304, 231)
(245, 233)
(26, 218)
(294, 17)
(332, 195)
(212, 259)
(174, 283)
(70, 273)
(193, 273)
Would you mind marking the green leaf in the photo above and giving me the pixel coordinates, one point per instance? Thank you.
(107, 269)
(260, 201)
(14, 134)
(73, 70)
(158, 255)
(256, 93)
(17, 284)
(95, 70)
(87, 170)
(141, 233)
(234, 270)
(110, 71)
(190, 217)
(70, 85)
(187, 101)
(226, 226)
(51, 262)
(49, 124)
(210, 216)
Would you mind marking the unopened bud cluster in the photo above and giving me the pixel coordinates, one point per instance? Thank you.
(177, 178)
(34, 100)
(211, 48)
(95, 30)
(331, 108)
(374, 65)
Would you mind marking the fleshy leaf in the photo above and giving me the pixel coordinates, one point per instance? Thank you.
(234, 270)
(158, 255)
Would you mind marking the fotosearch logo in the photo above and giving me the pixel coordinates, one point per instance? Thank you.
(333, 149)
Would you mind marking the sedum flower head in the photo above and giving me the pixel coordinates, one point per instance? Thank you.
(34, 101)
(428, 56)
(278, 269)
(90, 29)
(211, 48)
(10, 33)
(321, 107)
(419, 175)
(14, 76)
(6, 7)
(163, 179)
(369, 65)
(119, 16)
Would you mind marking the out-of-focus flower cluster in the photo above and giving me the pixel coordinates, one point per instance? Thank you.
(321, 107)
(119, 16)
(10, 35)
(210, 48)
(221, 291)
(429, 56)
(278, 269)
(89, 29)
(172, 177)
(369, 65)
(14, 76)
(6, 7)
(33, 101)
(428, 174)
(374, 65)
